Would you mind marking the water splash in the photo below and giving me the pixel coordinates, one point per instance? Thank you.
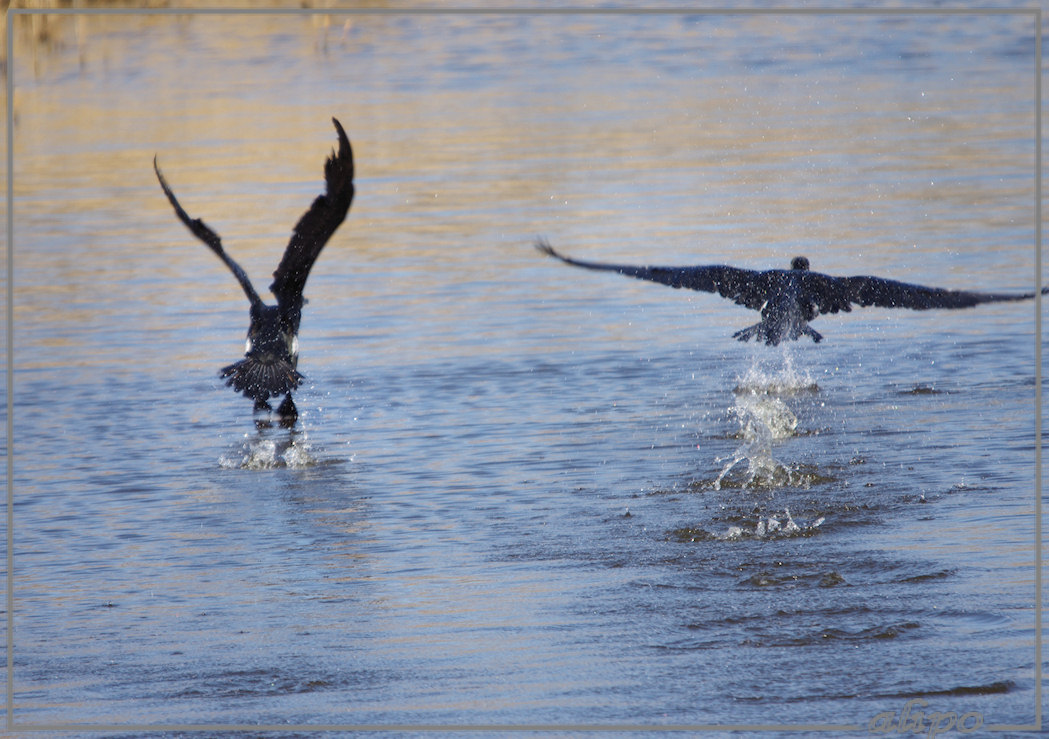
(765, 418)
(776, 375)
(268, 449)
(774, 526)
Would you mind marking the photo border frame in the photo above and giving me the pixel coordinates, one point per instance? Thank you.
(1035, 13)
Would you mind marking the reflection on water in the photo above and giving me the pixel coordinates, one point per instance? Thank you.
(520, 494)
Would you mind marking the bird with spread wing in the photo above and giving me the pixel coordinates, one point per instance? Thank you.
(789, 298)
(271, 351)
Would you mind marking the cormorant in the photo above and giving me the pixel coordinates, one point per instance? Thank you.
(271, 351)
(789, 298)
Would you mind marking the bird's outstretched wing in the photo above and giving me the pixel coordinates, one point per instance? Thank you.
(199, 229)
(885, 293)
(744, 286)
(315, 228)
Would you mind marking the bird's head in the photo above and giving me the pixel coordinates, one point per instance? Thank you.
(799, 263)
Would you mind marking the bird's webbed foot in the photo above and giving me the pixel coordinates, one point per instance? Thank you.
(287, 413)
(757, 331)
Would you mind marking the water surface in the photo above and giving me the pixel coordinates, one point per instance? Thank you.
(522, 493)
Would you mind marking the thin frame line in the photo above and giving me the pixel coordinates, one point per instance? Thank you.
(1038, 368)
(481, 11)
(10, 367)
(259, 728)
(524, 11)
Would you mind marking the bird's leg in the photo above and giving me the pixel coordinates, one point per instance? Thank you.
(262, 412)
(287, 413)
(809, 331)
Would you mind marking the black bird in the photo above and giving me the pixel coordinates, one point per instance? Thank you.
(272, 352)
(789, 298)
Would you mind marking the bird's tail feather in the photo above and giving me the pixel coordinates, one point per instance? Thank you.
(261, 380)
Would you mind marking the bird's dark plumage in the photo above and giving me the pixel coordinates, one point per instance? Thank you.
(271, 356)
(789, 298)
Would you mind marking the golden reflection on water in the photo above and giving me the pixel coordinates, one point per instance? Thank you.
(466, 152)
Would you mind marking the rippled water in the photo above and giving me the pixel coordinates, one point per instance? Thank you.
(521, 493)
